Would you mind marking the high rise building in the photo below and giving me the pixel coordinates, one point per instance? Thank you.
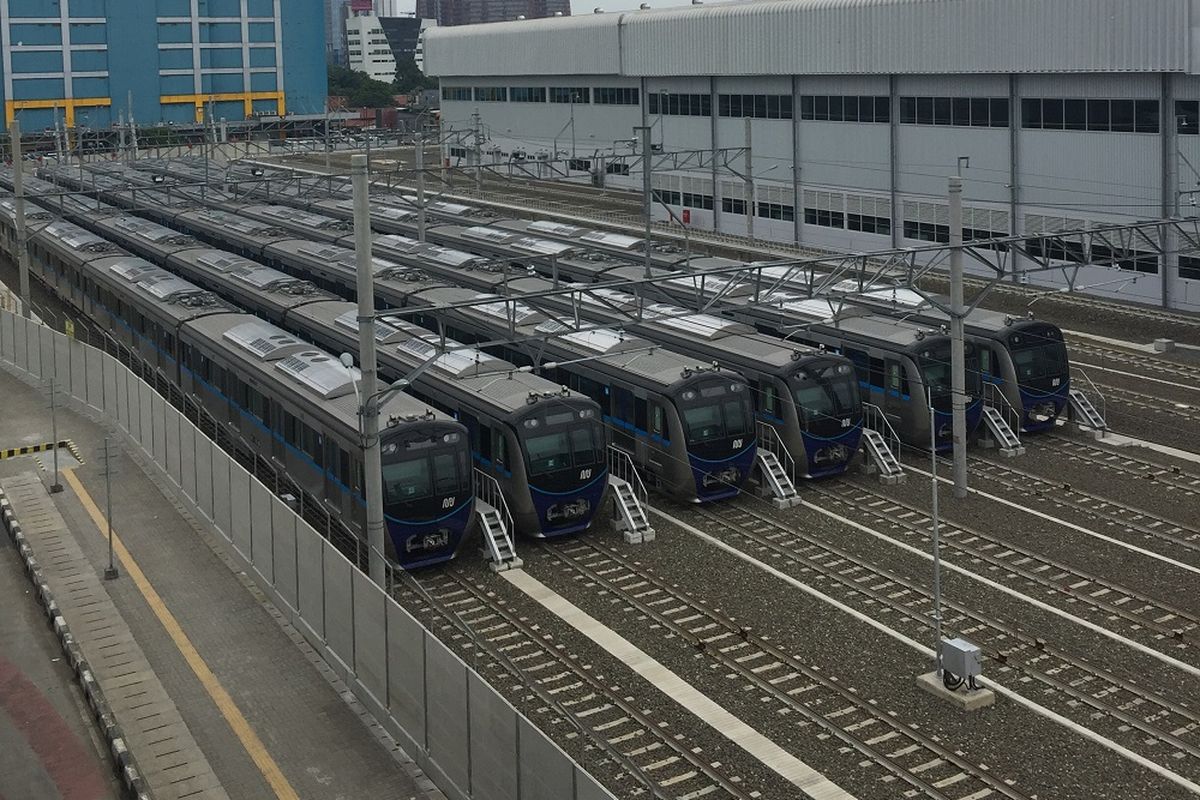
(84, 62)
(469, 12)
(375, 45)
(336, 12)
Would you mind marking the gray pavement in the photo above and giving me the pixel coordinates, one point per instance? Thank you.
(49, 748)
(322, 746)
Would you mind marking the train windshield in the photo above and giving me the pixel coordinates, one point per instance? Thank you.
(715, 411)
(936, 373)
(1038, 354)
(423, 469)
(563, 440)
(826, 394)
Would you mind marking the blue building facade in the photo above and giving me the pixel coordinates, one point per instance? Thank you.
(179, 61)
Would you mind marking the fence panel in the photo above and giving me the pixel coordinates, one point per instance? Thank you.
(310, 552)
(406, 674)
(222, 468)
(261, 553)
(239, 509)
(283, 551)
(187, 458)
(370, 638)
(8, 337)
(20, 344)
(546, 774)
(588, 788)
(203, 469)
(77, 356)
(494, 755)
(146, 423)
(174, 450)
(339, 607)
(130, 417)
(447, 724)
(62, 365)
(158, 428)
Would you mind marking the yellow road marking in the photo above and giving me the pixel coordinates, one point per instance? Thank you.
(225, 704)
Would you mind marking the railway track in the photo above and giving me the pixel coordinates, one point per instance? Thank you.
(1138, 718)
(1166, 409)
(1106, 603)
(785, 684)
(1133, 522)
(1136, 362)
(1124, 463)
(655, 761)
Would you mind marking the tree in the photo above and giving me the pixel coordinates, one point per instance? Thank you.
(410, 79)
(360, 90)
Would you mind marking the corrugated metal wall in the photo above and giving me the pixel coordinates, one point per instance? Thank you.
(826, 37)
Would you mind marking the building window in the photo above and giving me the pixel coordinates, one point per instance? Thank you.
(1189, 267)
(579, 164)
(731, 205)
(963, 112)
(616, 96)
(824, 218)
(1187, 116)
(865, 223)
(758, 106)
(570, 94)
(846, 108)
(527, 94)
(693, 200)
(1108, 116)
(458, 152)
(616, 168)
(776, 211)
(927, 231)
(684, 105)
(668, 197)
(456, 93)
(491, 94)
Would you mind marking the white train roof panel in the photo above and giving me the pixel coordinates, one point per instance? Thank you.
(319, 372)
(265, 341)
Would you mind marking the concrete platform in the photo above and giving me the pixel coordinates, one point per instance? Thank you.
(962, 699)
(258, 708)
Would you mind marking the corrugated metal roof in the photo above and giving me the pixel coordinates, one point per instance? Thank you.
(582, 45)
(831, 37)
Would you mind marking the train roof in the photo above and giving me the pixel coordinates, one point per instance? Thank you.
(252, 276)
(493, 380)
(229, 221)
(294, 217)
(149, 231)
(435, 254)
(309, 373)
(153, 289)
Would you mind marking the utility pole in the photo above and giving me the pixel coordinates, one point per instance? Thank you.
(369, 409)
(644, 132)
(110, 572)
(14, 131)
(958, 370)
(478, 147)
(937, 554)
(121, 128)
(55, 487)
(750, 208)
(132, 128)
(419, 154)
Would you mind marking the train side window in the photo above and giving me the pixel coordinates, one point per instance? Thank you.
(770, 400)
(658, 421)
(485, 441)
(639, 414)
(861, 361)
(314, 445)
(500, 448)
(875, 371)
(289, 429)
(985, 361)
(343, 467)
(622, 404)
(897, 382)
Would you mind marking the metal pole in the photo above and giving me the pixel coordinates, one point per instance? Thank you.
(14, 132)
(327, 140)
(646, 191)
(368, 409)
(110, 571)
(554, 269)
(750, 208)
(937, 557)
(132, 128)
(479, 153)
(958, 370)
(55, 487)
(419, 139)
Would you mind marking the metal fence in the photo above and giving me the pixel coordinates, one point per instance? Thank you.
(468, 739)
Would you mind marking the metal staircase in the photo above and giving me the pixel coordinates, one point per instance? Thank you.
(1001, 421)
(1002, 432)
(496, 523)
(629, 497)
(1083, 410)
(777, 468)
(882, 445)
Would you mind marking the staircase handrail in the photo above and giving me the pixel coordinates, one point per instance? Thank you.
(992, 396)
(621, 465)
(487, 489)
(770, 440)
(874, 418)
(1095, 391)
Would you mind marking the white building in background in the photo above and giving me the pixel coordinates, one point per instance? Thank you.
(368, 49)
(391, 8)
(1072, 113)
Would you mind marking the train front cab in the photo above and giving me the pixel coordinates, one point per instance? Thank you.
(827, 406)
(713, 414)
(1029, 364)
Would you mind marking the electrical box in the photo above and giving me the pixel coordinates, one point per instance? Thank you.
(962, 658)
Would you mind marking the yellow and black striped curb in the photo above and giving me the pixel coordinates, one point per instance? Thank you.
(45, 447)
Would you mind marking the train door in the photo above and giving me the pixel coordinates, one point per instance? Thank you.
(896, 390)
(623, 417)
